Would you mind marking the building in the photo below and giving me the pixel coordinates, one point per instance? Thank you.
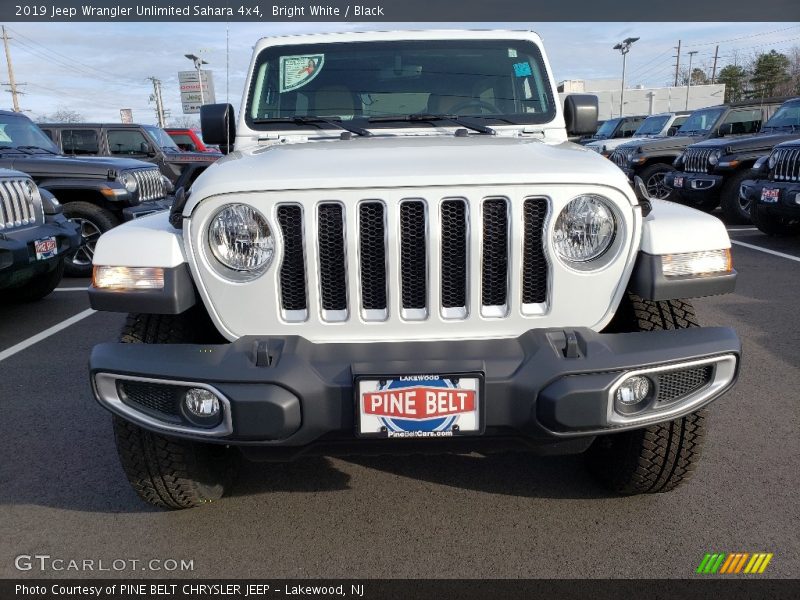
(641, 100)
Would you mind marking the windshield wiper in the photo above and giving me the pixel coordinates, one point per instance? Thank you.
(429, 118)
(316, 121)
(23, 148)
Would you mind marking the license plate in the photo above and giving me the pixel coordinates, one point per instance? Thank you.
(770, 195)
(677, 182)
(45, 248)
(419, 406)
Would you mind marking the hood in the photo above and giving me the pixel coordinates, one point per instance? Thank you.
(191, 157)
(406, 161)
(748, 143)
(47, 165)
(665, 143)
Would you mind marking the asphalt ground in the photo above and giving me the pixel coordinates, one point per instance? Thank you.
(63, 494)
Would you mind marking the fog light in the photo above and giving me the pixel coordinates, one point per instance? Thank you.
(632, 391)
(201, 403)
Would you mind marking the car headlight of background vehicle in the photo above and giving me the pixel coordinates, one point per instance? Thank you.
(772, 160)
(127, 179)
(714, 157)
(585, 229)
(241, 240)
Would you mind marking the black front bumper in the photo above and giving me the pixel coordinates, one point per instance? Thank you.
(695, 186)
(545, 386)
(18, 263)
(786, 204)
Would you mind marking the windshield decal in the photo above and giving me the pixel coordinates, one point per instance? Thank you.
(522, 69)
(297, 71)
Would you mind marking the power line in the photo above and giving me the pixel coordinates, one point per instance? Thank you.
(744, 37)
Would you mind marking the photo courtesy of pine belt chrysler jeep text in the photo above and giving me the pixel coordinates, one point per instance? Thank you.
(401, 252)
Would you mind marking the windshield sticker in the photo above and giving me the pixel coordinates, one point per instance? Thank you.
(522, 69)
(512, 53)
(297, 71)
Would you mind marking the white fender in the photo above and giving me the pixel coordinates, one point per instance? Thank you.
(673, 229)
(149, 241)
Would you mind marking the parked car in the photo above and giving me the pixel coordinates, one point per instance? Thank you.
(35, 238)
(612, 129)
(654, 126)
(710, 173)
(773, 190)
(96, 193)
(143, 142)
(190, 140)
(379, 272)
(652, 159)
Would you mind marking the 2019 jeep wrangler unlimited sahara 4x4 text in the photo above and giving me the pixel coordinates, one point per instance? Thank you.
(403, 253)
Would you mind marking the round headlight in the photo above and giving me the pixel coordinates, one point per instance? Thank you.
(630, 154)
(713, 159)
(240, 239)
(772, 161)
(584, 229)
(129, 181)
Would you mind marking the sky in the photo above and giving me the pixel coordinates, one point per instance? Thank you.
(97, 69)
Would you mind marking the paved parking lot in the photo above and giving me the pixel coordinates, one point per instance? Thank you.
(62, 492)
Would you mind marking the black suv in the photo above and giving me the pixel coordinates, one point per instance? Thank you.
(35, 238)
(773, 190)
(144, 142)
(712, 171)
(621, 127)
(96, 193)
(652, 159)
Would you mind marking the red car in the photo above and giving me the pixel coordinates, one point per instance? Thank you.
(189, 140)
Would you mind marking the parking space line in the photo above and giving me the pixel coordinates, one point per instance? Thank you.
(767, 251)
(80, 289)
(45, 334)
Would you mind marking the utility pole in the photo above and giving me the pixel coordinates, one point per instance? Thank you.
(689, 82)
(156, 97)
(11, 81)
(677, 63)
(714, 69)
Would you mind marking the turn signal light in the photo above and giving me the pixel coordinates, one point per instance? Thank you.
(128, 278)
(697, 263)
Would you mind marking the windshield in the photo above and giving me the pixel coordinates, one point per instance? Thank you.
(21, 132)
(161, 137)
(652, 125)
(607, 128)
(788, 115)
(701, 121)
(495, 80)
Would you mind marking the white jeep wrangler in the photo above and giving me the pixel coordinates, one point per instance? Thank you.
(402, 253)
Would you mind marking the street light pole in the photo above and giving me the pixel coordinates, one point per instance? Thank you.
(624, 47)
(198, 64)
(689, 82)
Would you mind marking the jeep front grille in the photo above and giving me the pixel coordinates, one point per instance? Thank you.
(696, 160)
(618, 158)
(400, 280)
(787, 164)
(150, 184)
(17, 206)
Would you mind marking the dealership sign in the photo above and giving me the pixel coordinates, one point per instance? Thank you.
(195, 90)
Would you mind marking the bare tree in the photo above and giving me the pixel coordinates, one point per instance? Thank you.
(185, 122)
(62, 115)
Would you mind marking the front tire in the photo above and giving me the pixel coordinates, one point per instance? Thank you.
(92, 221)
(653, 177)
(660, 457)
(735, 209)
(164, 471)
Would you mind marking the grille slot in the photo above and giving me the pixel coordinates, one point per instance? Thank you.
(454, 258)
(413, 254)
(534, 263)
(157, 400)
(674, 385)
(332, 273)
(494, 263)
(293, 269)
(17, 206)
(372, 258)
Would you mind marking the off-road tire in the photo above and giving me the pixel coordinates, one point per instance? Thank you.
(656, 170)
(773, 224)
(164, 471)
(660, 457)
(38, 287)
(101, 218)
(733, 210)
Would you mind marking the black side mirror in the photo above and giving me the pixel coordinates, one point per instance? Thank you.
(726, 129)
(580, 114)
(218, 124)
(672, 131)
